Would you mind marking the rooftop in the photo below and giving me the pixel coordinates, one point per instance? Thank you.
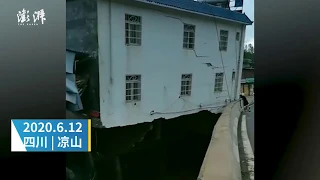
(202, 8)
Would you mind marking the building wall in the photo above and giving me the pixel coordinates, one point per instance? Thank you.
(247, 89)
(247, 73)
(161, 60)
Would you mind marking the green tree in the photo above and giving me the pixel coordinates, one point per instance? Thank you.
(249, 53)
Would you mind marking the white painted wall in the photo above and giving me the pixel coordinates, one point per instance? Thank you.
(161, 60)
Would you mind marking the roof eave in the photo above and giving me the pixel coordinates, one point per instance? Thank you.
(179, 9)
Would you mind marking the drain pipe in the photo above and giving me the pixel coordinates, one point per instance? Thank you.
(110, 44)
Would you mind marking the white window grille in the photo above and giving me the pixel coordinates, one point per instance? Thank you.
(223, 44)
(188, 36)
(238, 36)
(186, 82)
(133, 30)
(133, 88)
(218, 83)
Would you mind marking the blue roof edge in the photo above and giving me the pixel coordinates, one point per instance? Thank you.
(201, 8)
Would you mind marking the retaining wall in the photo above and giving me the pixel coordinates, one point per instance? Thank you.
(222, 157)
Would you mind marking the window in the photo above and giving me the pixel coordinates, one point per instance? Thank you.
(223, 40)
(238, 36)
(188, 36)
(186, 80)
(133, 88)
(218, 82)
(133, 30)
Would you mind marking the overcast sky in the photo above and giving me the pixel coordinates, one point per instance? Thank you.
(248, 8)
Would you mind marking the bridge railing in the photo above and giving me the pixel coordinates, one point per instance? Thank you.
(222, 160)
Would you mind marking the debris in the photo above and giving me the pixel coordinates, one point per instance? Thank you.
(82, 83)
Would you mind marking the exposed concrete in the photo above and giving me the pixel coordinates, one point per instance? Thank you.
(248, 153)
(245, 144)
(243, 161)
(250, 125)
(222, 158)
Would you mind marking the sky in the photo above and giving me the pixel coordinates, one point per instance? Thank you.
(248, 8)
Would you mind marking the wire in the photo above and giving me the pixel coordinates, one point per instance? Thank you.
(195, 53)
(214, 19)
(189, 102)
(249, 105)
(205, 107)
(207, 56)
(174, 102)
(236, 48)
(234, 81)
(235, 102)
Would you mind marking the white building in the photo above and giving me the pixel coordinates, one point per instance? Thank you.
(162, 58)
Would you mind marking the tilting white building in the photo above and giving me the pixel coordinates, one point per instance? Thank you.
(166, 58)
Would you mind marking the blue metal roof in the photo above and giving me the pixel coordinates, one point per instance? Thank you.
(201, 7)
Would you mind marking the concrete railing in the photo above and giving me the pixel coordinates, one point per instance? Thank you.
(222, 160)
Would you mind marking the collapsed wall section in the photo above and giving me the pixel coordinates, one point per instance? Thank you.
(82, 37)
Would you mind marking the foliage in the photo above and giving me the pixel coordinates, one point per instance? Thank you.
(249, 55)
(248, 51)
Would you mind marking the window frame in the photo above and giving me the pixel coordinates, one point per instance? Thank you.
(237, 36)
(218, 83)
(137, 30)
(224, 42)
(186, 45)
(131, 89)
(186, 85)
